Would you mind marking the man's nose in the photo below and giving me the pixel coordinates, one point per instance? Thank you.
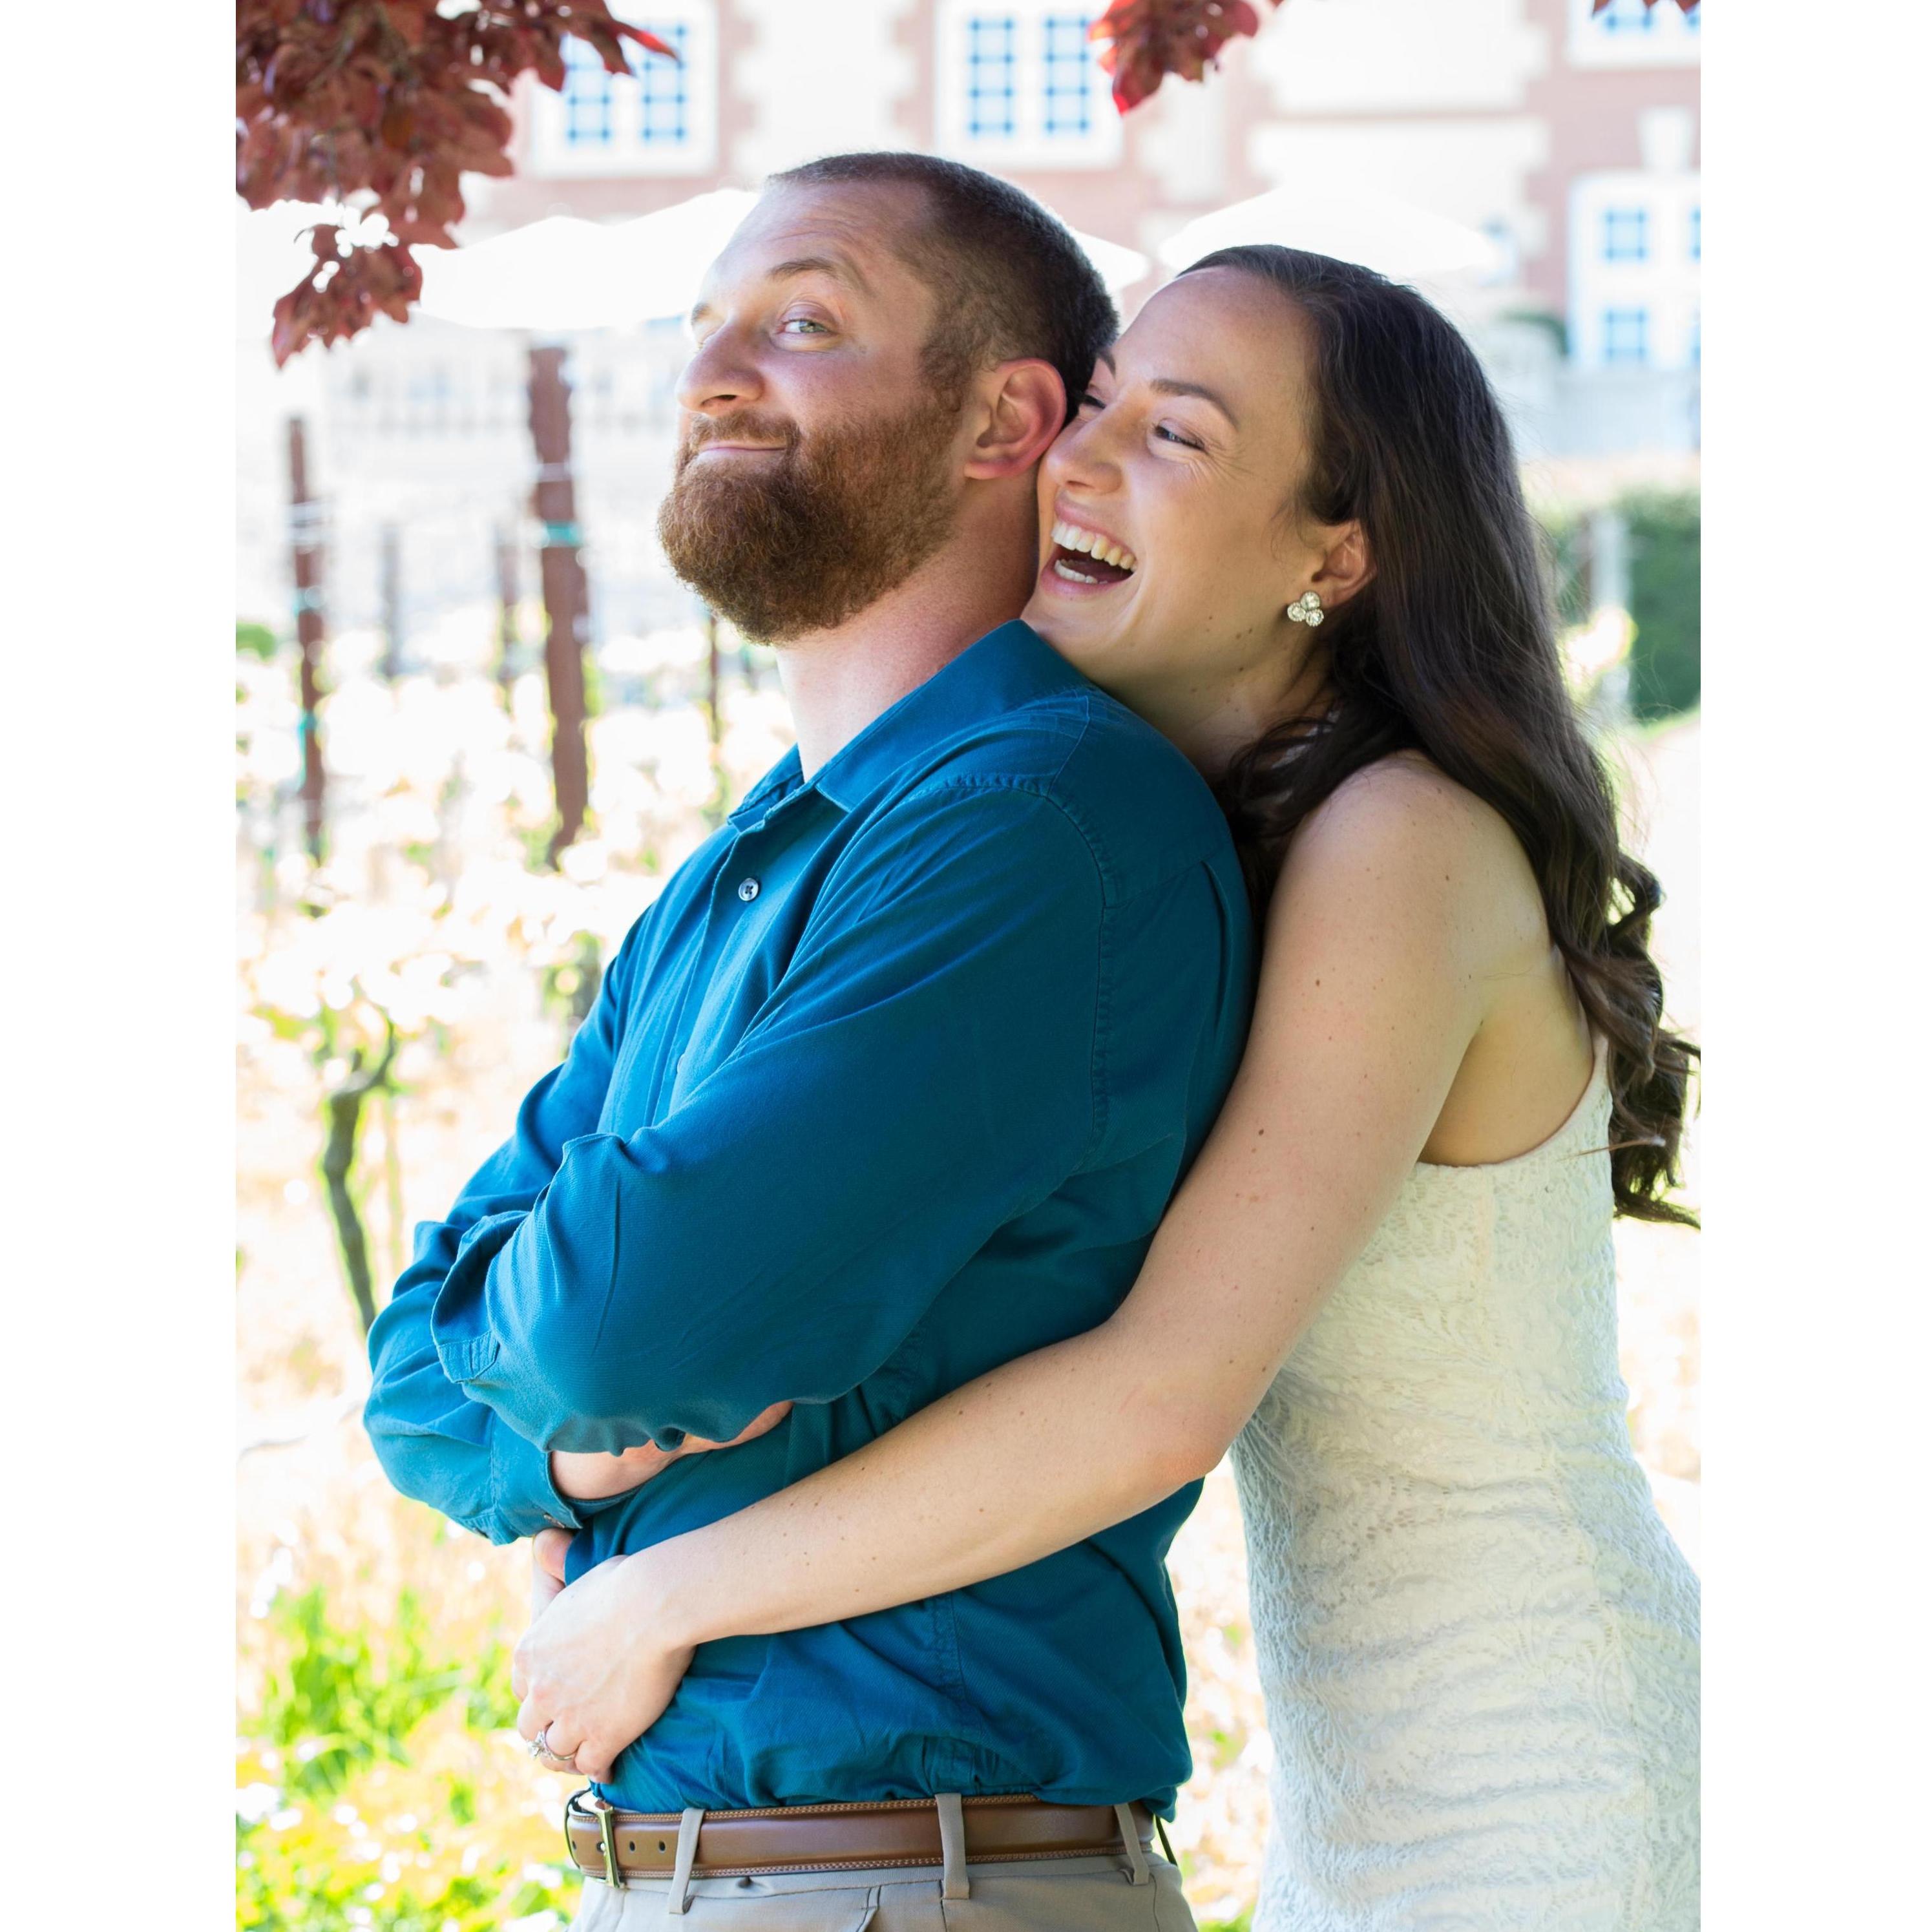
(720, 377)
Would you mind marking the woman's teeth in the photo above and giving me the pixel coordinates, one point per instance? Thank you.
(1090, 543)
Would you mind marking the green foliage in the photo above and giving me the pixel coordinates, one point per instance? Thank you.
(338, 1706)
(256, 641)
(334, 1705)
(291, 1880)
(571, 987)
(1666, 557)
(1666, 561)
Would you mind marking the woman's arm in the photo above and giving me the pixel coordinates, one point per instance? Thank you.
(1373, 985)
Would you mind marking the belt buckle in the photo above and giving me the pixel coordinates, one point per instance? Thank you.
(607, 1831)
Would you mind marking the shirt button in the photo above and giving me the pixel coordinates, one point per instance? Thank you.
(748, 889)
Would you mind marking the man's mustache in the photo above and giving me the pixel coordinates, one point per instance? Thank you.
(742, 426)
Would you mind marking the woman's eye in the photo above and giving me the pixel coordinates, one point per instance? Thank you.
(1174, 436)
(1090, 401)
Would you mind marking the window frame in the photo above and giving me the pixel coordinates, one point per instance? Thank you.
(1666, 36)
(1037, 136)
(550, 151)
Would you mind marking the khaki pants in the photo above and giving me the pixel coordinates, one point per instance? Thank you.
(1083, 1894)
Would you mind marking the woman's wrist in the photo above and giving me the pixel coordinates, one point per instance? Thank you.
(676, 1595)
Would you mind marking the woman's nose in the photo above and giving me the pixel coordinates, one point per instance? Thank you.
(720, 376)
(1083, 458)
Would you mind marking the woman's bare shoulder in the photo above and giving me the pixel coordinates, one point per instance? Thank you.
(1402, 836)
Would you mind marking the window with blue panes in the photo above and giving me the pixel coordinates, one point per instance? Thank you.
(1626, 234)
(587, 96)
(663, 101)
(991, 76)
(1626, 16)
(1627, 335)
(1069, 65)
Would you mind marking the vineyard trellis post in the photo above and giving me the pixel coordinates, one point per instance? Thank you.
(305, 516)
(566, 592)
(509, 639)
(391, 555)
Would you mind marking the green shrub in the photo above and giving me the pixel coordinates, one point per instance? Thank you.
(333, 1705)
(362, 1811)
(1665, 565)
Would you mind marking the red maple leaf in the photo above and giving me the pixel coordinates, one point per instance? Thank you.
(1142, 42)
(385, 105)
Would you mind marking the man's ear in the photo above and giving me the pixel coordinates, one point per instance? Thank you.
(1346, 566)
(1025, 406)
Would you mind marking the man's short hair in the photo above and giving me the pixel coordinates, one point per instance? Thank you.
(1011, 281)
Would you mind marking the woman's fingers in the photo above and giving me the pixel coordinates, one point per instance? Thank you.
(551, 1548)
(563, 1736)
(531, 1718)
(562, 1733)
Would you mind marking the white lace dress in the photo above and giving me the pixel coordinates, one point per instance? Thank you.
(1477, 1641)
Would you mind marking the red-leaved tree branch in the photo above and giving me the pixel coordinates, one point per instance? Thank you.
(386, 105)
(1142, 42)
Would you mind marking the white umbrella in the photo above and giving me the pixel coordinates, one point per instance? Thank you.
(550, 277)
(1119, 267)
(1355, 224)
(561, 273)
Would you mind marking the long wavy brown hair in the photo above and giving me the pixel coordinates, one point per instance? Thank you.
(1450, 650)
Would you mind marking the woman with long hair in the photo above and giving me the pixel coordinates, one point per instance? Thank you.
(1286, 527)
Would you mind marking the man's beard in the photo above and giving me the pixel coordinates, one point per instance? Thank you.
(806, 538)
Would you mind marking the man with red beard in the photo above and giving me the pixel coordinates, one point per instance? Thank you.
(889, 1086)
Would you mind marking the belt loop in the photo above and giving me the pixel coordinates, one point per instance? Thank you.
(679, 1903)
(1130, 1837)
(952, 1846)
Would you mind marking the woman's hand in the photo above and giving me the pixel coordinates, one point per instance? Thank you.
(548, 1549)
(599, 1663)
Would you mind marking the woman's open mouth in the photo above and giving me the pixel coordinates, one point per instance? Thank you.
(1085, 557)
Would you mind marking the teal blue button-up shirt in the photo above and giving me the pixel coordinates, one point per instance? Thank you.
(890, 1085)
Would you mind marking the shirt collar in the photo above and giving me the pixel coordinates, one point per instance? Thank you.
(1003, 669)
(1009, 666)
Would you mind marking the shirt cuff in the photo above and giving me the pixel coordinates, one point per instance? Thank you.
(523, 1499)
(458, 1319)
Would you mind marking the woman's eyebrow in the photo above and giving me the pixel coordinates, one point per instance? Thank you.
(1169, 386)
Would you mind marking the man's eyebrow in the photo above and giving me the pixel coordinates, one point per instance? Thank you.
(1167, 385)
(835, 266)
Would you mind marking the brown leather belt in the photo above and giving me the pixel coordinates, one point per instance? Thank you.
(605, 1843)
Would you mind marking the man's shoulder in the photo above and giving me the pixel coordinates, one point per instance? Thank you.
(1143, 809)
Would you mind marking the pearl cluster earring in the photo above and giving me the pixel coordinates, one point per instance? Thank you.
(1306, 609)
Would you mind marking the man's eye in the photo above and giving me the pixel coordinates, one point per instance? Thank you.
(802, 322)
(1090, 401)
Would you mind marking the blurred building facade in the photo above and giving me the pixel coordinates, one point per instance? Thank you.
(1570, 139)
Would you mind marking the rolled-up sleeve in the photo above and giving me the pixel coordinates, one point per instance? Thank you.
(927, 1066)
(434, 1443)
